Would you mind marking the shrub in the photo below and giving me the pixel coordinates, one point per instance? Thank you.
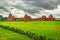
(49, 39)
(26, 33)
(2, 26)
(22, 32)
(5, 27)
(13, 29)
(41, 37)
(18, 30)
(30, 34)
(9, 29)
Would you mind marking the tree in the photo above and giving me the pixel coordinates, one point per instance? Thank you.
(1, 17)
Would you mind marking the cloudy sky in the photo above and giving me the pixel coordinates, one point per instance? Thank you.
(33, 8)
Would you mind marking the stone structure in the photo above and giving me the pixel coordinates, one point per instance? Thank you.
(43, 17)
(50, 17)
(10, 17)
(26, 17)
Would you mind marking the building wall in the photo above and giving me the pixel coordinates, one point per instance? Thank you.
(26, 17)
(10, 17)
(43, 17)
(50, 17)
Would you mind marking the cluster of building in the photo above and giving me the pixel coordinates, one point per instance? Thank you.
(26, 18)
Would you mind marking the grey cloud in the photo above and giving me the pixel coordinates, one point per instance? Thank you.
(31, 11)
(6, 10)
(56, 14)
(3, 3)
(46, 4)
(35, 5)
(1, 7)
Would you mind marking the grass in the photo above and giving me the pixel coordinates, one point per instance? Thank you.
(46, 28)
(9, 35)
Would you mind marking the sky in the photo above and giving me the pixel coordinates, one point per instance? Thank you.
(33, 8)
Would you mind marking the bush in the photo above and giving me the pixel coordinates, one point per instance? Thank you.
(41, 37)
(9, 28)
(2, 26)
(22, 32)
(30, 34)
(5, 27)
(13, 29)
(16, 30)
(49, 39)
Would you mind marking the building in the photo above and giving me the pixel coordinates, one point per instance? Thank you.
(50, 17)
(10, 17)
(26, 17)
(43, 17)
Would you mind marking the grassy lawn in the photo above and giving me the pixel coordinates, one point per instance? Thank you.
(9, 35)
(46, 28)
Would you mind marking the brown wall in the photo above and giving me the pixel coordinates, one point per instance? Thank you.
(50, 17)
(10, 17)
(43, 17)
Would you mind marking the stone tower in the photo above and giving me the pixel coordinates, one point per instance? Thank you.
(10, 17)
(43, 17)
(50, 17)
(26, 17)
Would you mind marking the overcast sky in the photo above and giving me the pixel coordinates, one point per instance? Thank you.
(33, 8)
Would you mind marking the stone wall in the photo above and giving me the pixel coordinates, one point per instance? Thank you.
(10, 17)
(43, 17)
(50, 17)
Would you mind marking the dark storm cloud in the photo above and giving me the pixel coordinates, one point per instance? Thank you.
(38, 5)
(3, 8)
(31, 11)
(3, 3)
(6, 10)
(30, 6)
(46, 4)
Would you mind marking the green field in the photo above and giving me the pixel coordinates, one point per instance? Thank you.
(50, 29)
(9, 35)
